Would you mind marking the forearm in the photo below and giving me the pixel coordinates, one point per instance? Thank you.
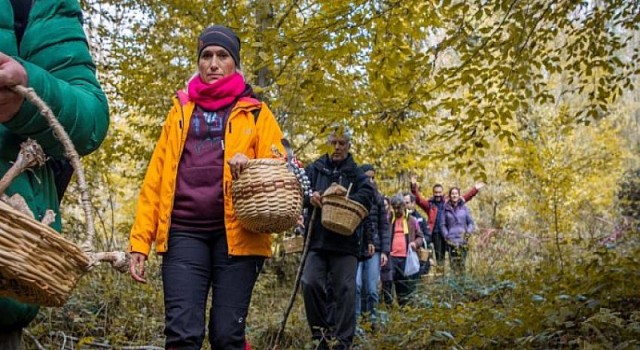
(470, 194)
(420, 201)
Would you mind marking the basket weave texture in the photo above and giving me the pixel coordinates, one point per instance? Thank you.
(267, 197)
(423, 254)
(341, 215)
(293, 244)
(37, 265)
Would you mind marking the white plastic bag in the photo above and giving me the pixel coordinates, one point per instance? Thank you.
(412, 263)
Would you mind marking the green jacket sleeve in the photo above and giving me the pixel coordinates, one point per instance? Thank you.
(16, 315)
(55, 54)
(59, 67)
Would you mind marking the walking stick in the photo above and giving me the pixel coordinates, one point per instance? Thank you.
(296, 285)
(119, 260)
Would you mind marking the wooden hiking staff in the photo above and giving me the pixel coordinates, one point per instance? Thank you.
(296, 284)
(37, 264)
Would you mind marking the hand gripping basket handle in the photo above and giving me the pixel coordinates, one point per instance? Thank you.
(119, 260)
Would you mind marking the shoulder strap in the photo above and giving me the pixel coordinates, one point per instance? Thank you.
(21, 9)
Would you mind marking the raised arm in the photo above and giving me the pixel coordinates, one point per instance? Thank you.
(415, 190)
(472, 192)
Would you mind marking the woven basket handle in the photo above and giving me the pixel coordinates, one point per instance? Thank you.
(117, 259)
(70, 153)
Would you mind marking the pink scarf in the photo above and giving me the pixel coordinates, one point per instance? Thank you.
(218, 95)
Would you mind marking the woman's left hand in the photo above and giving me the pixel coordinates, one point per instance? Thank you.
(413, 246)
(237, 164)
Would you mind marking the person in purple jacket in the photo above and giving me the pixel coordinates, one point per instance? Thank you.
(456, 227)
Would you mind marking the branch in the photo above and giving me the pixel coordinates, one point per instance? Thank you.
(465, 63)
(70, 152)
(99, 345)
(30, 155)
(296, 284)
(521, 48)
(286, 13)
(35, 340)
(119, 260)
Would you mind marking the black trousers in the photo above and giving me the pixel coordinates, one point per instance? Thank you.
(405, 285)
(386, 277)
(11, 340)
(194, 264)
(440, 246)
(387, 293)
(458, 256)
(329, 291)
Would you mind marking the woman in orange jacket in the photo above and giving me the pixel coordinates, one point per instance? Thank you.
(185, 204)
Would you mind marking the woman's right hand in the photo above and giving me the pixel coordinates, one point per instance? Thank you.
(316, 199)
(383, 259)
(136, 267)
(11, 73)
(237, 163)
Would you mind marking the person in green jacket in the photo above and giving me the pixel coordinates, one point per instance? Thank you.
(43, 46)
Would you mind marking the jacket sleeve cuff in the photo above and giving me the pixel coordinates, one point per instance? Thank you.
(140, 248)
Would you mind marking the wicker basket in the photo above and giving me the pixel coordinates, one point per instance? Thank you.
(423, 254)
(267, 197)
(37, 265)
(293, 244)
(341, 215)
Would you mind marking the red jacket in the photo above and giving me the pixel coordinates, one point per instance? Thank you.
(431, 208)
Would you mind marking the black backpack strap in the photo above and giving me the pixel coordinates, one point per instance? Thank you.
(62, 173)
(256, 114)
(21, 9)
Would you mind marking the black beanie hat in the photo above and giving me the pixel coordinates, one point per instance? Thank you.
(220, 36)
(366, 167)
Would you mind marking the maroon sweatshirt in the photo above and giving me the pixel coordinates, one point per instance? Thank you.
(198, 203)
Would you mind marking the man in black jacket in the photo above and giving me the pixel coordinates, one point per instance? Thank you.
(369, 270)
(329, 276)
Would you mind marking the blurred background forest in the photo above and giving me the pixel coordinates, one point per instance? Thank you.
(537, 98)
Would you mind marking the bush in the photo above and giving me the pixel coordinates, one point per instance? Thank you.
(629, 194)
